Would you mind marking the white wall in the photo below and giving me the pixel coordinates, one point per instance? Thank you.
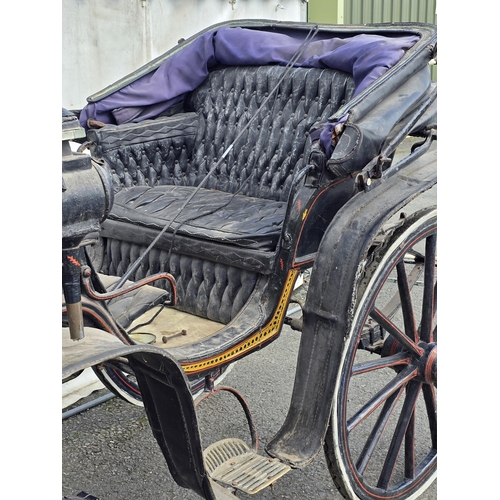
(104, 40)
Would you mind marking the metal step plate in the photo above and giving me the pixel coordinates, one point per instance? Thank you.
(232, 462)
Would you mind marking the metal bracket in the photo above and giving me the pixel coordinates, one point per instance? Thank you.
(246, 409)
(92, 293)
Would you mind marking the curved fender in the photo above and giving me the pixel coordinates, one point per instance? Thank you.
(167, 400)
(329, 306)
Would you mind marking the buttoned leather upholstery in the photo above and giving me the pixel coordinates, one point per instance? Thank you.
(156, 164)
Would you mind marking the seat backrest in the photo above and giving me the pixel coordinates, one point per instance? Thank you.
(276, 145)
(180, 149)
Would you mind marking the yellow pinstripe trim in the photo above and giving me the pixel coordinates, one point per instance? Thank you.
(265, 333)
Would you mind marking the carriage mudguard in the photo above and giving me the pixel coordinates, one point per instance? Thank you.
(167, 400)
(329, 306)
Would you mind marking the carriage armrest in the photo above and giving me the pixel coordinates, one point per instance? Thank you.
(146, 153)
(111, 136)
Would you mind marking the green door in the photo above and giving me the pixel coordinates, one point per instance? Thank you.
(325, 11)
(371, 11)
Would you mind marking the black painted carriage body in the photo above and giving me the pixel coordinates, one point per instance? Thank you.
(276, 202)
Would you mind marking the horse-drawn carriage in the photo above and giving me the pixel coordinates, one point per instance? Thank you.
(217, 174)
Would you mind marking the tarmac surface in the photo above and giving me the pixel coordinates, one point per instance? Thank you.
(109, 451)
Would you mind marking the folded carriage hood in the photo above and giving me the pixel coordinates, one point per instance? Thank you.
(377, 113)
(379, 56)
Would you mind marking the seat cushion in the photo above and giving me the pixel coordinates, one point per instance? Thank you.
(212, 215)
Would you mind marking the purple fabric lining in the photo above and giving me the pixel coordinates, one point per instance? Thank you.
(325, 137)
(365, 56)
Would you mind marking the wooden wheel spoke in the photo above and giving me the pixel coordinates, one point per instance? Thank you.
(399, 358)
(434, 331)
(394, 304)
(430, 403)
(367, 409)
(429, 298)
(410, 449)
(391, 328)
(407, 412)
(406, 302)
(377, 431)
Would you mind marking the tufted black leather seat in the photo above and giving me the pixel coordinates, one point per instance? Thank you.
(151, 158)
(156, 164)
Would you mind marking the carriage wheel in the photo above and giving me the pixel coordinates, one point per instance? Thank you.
(382, 438)
(120, 379)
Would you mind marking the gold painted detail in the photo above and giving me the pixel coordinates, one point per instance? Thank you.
(267, 332)
(304, 214)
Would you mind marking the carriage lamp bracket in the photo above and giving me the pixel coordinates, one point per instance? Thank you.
(383, 163)
(374, 170)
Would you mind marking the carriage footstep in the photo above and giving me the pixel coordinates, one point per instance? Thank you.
(232, 462)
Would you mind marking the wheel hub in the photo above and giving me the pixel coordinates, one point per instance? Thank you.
(427, 363)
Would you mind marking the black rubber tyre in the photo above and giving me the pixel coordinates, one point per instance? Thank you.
(382, 438)
(120, 379)
(116, 376)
